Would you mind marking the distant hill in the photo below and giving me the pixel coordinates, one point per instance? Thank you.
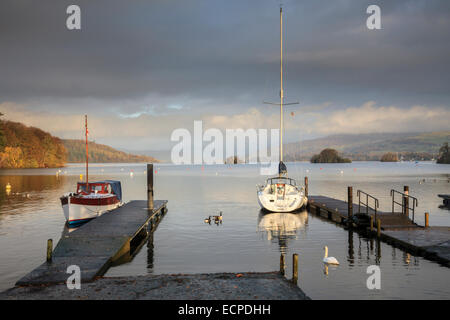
(100, 153)
(371, 146)
(29, 147)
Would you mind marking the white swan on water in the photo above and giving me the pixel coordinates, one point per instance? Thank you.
(329, 260)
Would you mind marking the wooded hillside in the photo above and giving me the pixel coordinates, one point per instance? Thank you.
(29, 147)
(100, 153)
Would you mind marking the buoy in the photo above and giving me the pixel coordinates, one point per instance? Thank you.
(81, 177)
(8, 189)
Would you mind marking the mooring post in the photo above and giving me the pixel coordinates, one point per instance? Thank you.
(427, 222)
(295, 268)
(406, 200)
(282, 264)
(49, 250)
(378, 228)
(350, 203)
(306, 187)
(150, 185)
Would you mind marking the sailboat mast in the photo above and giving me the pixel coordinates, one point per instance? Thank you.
(87, 156)
(281, 84)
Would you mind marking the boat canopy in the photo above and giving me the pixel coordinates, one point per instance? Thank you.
(116, 186)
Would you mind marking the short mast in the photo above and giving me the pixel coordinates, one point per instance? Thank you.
(281, 84)
(87, 155)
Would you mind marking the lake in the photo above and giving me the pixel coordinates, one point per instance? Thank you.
(247, 240)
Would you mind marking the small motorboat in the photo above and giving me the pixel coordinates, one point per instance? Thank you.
(91, 199)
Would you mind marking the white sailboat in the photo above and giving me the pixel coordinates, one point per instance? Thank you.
(281, 193)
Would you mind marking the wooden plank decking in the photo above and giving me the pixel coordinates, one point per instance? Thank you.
(97, 244)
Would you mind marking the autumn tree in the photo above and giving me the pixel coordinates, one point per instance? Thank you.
(29, 147)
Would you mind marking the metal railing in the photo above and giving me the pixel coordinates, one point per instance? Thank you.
(366, 204)
(405, 203)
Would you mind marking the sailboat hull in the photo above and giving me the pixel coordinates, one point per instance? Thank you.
(271, 200)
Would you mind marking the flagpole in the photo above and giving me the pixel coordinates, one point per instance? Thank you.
(87, 156)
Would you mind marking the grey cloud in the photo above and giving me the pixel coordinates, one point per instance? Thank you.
(208, 54)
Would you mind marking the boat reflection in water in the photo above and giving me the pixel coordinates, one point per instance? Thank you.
(281, 227)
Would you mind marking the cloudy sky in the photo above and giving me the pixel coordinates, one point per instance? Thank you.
(141, 69)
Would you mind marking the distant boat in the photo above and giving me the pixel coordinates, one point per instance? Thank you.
(91, 199)
(281, 193)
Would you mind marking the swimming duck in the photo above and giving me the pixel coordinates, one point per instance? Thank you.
(218, 218)
(208, 220)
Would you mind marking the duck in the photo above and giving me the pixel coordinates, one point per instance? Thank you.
(218, 218)
(207, 220)
(329, 260)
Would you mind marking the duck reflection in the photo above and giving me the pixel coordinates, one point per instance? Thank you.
(280, 227)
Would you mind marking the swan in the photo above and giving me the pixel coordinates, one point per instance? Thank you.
(329, 260)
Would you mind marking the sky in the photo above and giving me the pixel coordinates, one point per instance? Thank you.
(141, 69)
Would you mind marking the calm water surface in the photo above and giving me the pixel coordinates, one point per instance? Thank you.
(247, 240)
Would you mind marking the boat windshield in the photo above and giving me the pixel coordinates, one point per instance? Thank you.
(281, 180)
(94, 188)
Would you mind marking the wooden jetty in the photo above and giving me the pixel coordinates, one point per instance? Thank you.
(100, 243)
(338, 211)
(396, 228)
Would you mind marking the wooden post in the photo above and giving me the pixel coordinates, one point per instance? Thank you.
(427, 222)
(295, 268)
(49, 250)
(371, 223)
(282, 264)
(378, 228)
(306, 186)
(350, 203)
(406, 200)
(150, 186)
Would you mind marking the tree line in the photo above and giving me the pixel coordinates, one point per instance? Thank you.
(30, 147)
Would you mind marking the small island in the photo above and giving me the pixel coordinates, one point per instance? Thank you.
(329, 156)
(389, 157)
(444, 154)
